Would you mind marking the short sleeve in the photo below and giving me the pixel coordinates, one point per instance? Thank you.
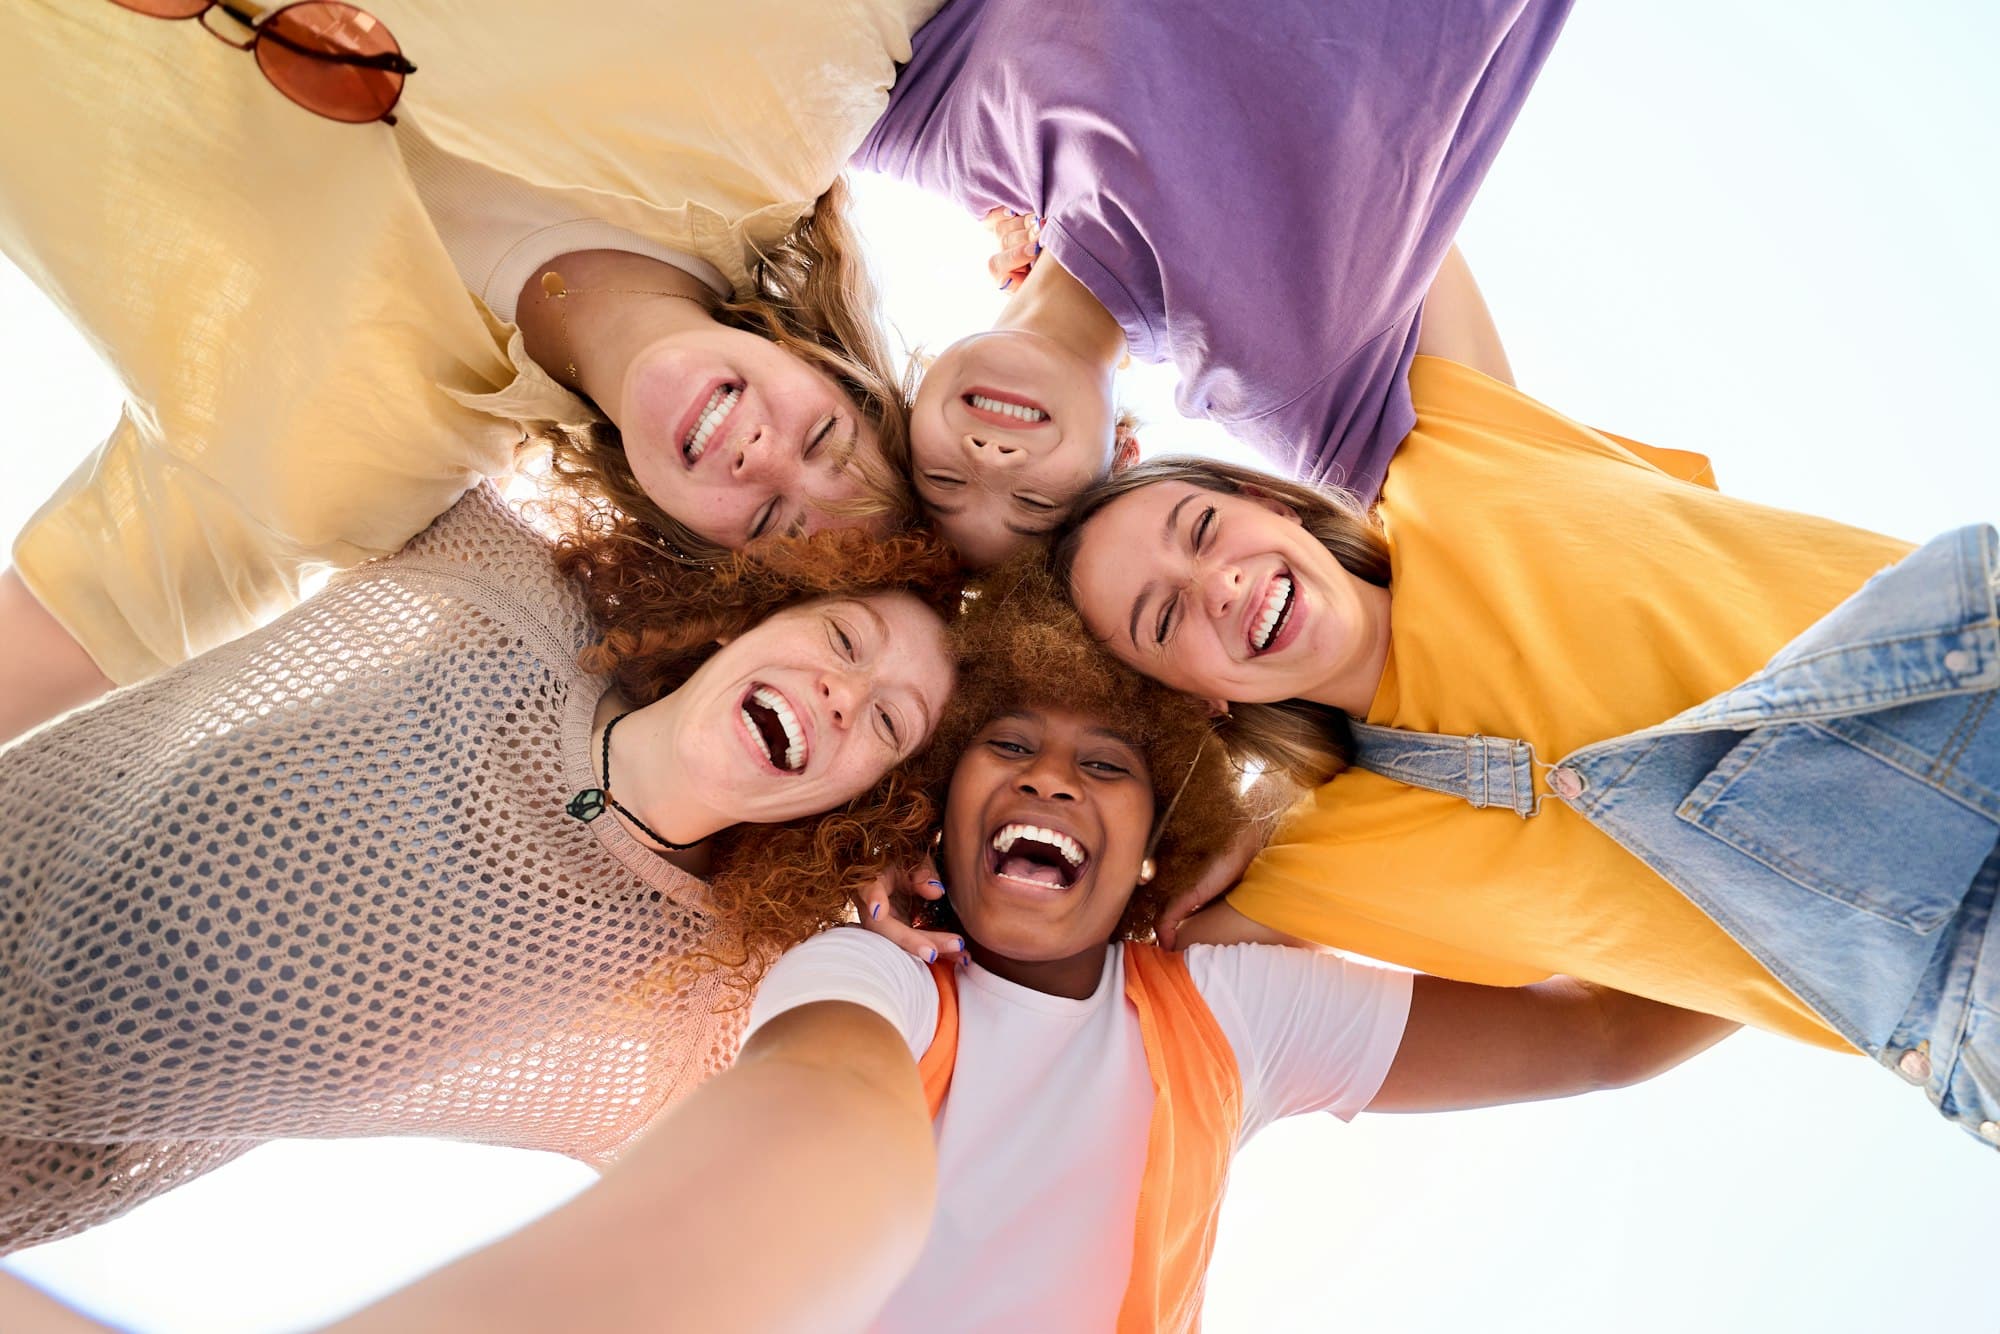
(1312, 1032)
(850, 964)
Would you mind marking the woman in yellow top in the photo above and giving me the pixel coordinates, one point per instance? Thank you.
(1532, 593)
(285, 297)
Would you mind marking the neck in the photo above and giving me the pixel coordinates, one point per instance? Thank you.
(616, 305)
(1058, 307)
(1075, 977)
(655, 792)
(1354, 680)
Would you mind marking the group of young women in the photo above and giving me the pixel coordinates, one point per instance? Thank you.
(493, 837)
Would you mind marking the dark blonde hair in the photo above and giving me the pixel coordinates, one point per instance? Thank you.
(815, 298)
(1021, 645)
(1296, 740)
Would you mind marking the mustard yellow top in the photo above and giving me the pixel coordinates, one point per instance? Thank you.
(1549, 584)
(308, 382)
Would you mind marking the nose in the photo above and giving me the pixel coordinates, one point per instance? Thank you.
(989, 451)
(1221, 586)
(1049, 776)
(758, 457)
(843, 695)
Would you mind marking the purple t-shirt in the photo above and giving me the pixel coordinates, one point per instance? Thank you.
(1260, 192)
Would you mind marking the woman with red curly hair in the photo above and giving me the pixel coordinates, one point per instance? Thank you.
(422, 858)
(1040, 1135)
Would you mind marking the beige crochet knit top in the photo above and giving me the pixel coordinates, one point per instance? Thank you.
(320, 882)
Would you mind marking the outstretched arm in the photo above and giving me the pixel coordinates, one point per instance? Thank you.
(43, 672)
(1456, 324)
(1473, 1046)
(792, 1192)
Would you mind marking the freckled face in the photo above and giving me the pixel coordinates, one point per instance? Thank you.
(738, 439)
(809, 709)
(1045, 826)
(1007, 429)
(1222, 596)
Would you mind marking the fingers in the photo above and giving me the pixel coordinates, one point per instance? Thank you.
(883, 909)
(1018, 237)
(1181, 907)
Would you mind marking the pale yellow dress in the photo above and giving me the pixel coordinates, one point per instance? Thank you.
(309, 383)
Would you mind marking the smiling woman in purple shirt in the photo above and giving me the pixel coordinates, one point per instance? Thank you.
(1261, 194)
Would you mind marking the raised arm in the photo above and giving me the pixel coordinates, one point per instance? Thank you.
(792, 1192)
(1457, 325)
(1473, 1046)
(43, 672)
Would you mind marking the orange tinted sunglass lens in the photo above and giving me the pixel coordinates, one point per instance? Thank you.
(166, 9)
(303, 48)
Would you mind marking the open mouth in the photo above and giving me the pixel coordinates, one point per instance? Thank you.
(1004, 411)
(709, 421)
(1271, 617)
(1036, 856)
(774, 725)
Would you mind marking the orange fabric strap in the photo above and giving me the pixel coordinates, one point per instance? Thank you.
(1197, 1113)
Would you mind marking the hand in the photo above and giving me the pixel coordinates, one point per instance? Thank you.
(885, 907)
(1217, 879)
(1017, 238)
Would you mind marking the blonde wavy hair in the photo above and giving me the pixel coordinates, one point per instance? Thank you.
(1294, 740)
(815, 298)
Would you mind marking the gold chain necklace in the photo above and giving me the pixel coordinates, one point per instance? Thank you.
(555, 289)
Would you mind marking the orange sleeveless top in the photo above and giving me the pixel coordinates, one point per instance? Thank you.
(1197, 1112)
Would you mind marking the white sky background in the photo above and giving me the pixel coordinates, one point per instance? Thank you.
(1760, 232)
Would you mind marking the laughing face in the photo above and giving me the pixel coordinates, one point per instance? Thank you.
(1045, 827)
(1007, 429)
(1223, 596)
(813, 706)
(737, 438)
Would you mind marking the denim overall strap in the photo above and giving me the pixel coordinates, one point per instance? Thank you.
(1482, 770)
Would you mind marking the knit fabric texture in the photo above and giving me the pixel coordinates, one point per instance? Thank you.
(320, 882)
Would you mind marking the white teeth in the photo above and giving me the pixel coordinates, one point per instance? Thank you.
(1061, 842)
(1008, 409)
(1274, 607)
(719, 404)
(795, 736)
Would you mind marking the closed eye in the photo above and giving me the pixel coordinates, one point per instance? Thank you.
(1204, 528)
(889, 725)
(944, 479)
(819, 436)
(765, 518)
(1036, 502)
(1165, 625)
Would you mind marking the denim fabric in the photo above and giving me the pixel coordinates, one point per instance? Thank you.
(1838, 814)
(1485, 770)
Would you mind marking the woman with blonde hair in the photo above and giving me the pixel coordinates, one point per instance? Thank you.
(321, 326)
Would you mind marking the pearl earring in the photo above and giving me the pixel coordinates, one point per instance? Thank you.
(1146, 871)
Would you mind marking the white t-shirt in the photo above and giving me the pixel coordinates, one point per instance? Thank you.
(500, 230)
(1042, 1139)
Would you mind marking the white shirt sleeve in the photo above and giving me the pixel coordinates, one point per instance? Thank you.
(850, 964)
(1312, 1032)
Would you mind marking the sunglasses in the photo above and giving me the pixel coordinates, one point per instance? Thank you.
(330, 58)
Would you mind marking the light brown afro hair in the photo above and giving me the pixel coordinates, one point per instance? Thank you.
(1021, 645)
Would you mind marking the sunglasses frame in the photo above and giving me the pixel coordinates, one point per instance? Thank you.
(256, 20)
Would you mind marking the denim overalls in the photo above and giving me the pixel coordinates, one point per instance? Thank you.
(1838, 814)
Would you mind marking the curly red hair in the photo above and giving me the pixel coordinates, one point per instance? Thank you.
(771, 885)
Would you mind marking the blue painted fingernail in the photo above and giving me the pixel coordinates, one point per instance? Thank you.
(1009, 283)
(933, 958)
(1038, 247)
(935, 884)
(961, 944)
(876, 911)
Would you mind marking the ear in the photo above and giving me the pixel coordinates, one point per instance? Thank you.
(722, 641)
(1217, 708)
(1270, 502)
(1124, 452)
